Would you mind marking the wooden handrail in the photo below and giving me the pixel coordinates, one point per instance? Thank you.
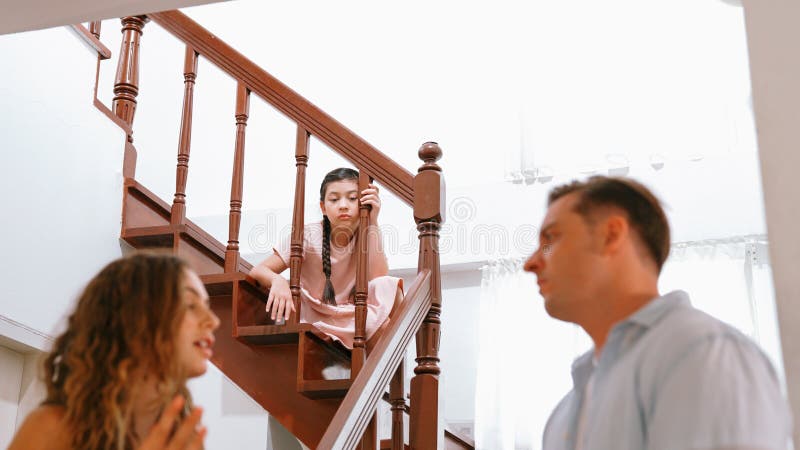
(338, 137)
(359, 404)
(91, 41)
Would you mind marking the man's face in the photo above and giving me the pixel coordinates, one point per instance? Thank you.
(569, 262)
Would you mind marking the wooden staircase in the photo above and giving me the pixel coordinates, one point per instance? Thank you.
(282, 365)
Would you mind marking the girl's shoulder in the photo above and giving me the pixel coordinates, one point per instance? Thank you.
(44, 427)
(312, 233)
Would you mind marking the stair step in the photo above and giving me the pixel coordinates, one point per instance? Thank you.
(318, 389)
(268, 374)
(146, 224)
(386, 444)
(273, 334)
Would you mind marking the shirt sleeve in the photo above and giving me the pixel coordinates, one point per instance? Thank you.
(284, 249)
(722, 393)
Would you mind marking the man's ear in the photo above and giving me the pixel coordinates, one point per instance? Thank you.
(615, 232)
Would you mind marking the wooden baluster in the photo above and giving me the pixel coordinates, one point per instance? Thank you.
(185, 141)
(369, 441)
(298, 219)
(398, 402)
(94, 28)
(126, 84)
(359, 355)
(237, 182)
(429, 202)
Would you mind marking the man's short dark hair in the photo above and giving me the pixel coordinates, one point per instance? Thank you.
(643, 209)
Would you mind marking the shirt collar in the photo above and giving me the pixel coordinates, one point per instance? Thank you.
(646, 316)
(582, 369)
(650, 313)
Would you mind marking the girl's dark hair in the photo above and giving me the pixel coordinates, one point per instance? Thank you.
(340, 174)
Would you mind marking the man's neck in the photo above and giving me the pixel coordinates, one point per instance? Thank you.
(616, 308)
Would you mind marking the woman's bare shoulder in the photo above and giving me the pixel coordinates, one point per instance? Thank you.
(44, 428)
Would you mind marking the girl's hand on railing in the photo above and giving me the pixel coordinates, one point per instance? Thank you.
(369, 196)
(280, 299)
(189, 435)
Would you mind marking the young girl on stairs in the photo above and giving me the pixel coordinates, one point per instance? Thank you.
(328, 275)
(116, 378)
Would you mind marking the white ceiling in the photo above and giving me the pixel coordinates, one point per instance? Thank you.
(26, 15)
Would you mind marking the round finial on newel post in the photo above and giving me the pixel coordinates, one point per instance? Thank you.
(430, 152)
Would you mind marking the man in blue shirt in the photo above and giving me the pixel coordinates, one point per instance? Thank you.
(662, 375)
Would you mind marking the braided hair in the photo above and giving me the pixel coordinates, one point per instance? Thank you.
(340, 174)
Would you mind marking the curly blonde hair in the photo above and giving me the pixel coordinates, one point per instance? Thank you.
(121, 331)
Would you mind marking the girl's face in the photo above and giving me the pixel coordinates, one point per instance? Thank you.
(196, 333)
(340, 203)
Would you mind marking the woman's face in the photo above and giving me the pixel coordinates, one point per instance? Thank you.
(196, 332)
(340, 204)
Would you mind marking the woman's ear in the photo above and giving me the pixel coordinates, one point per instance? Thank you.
(322, 207)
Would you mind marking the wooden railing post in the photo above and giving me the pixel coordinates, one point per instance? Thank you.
(359, 355)
(237, 181)
(178, 213)
(94, 28)
(298, 219)
(398, 402)
(429, 203)
(126, 83)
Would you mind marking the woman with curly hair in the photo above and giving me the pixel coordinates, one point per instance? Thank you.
(116, 378)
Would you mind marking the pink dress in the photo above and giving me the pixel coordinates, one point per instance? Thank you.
(338, 321)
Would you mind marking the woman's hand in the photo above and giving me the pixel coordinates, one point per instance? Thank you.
(280, 299)
(189, 435)
(369, 196)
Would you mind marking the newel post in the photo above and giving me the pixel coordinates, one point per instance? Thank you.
(429, 204)
(126, 83)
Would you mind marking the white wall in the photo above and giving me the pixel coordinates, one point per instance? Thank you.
(31, 391)
(61, 190)
(32, 15)
(61, 183)
(232, 416)
(772, 35)
(11, 364)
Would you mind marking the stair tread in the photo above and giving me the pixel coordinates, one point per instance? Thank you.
(317, 389)
(386, 444)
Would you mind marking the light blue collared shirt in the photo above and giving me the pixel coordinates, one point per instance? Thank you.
(672, 377)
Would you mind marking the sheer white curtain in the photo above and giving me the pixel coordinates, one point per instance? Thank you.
(627, 84)
(524, 356)
(524, 359)
(730, 279)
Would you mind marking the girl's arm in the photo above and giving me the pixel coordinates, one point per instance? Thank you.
(267, 273)
(378, 264)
